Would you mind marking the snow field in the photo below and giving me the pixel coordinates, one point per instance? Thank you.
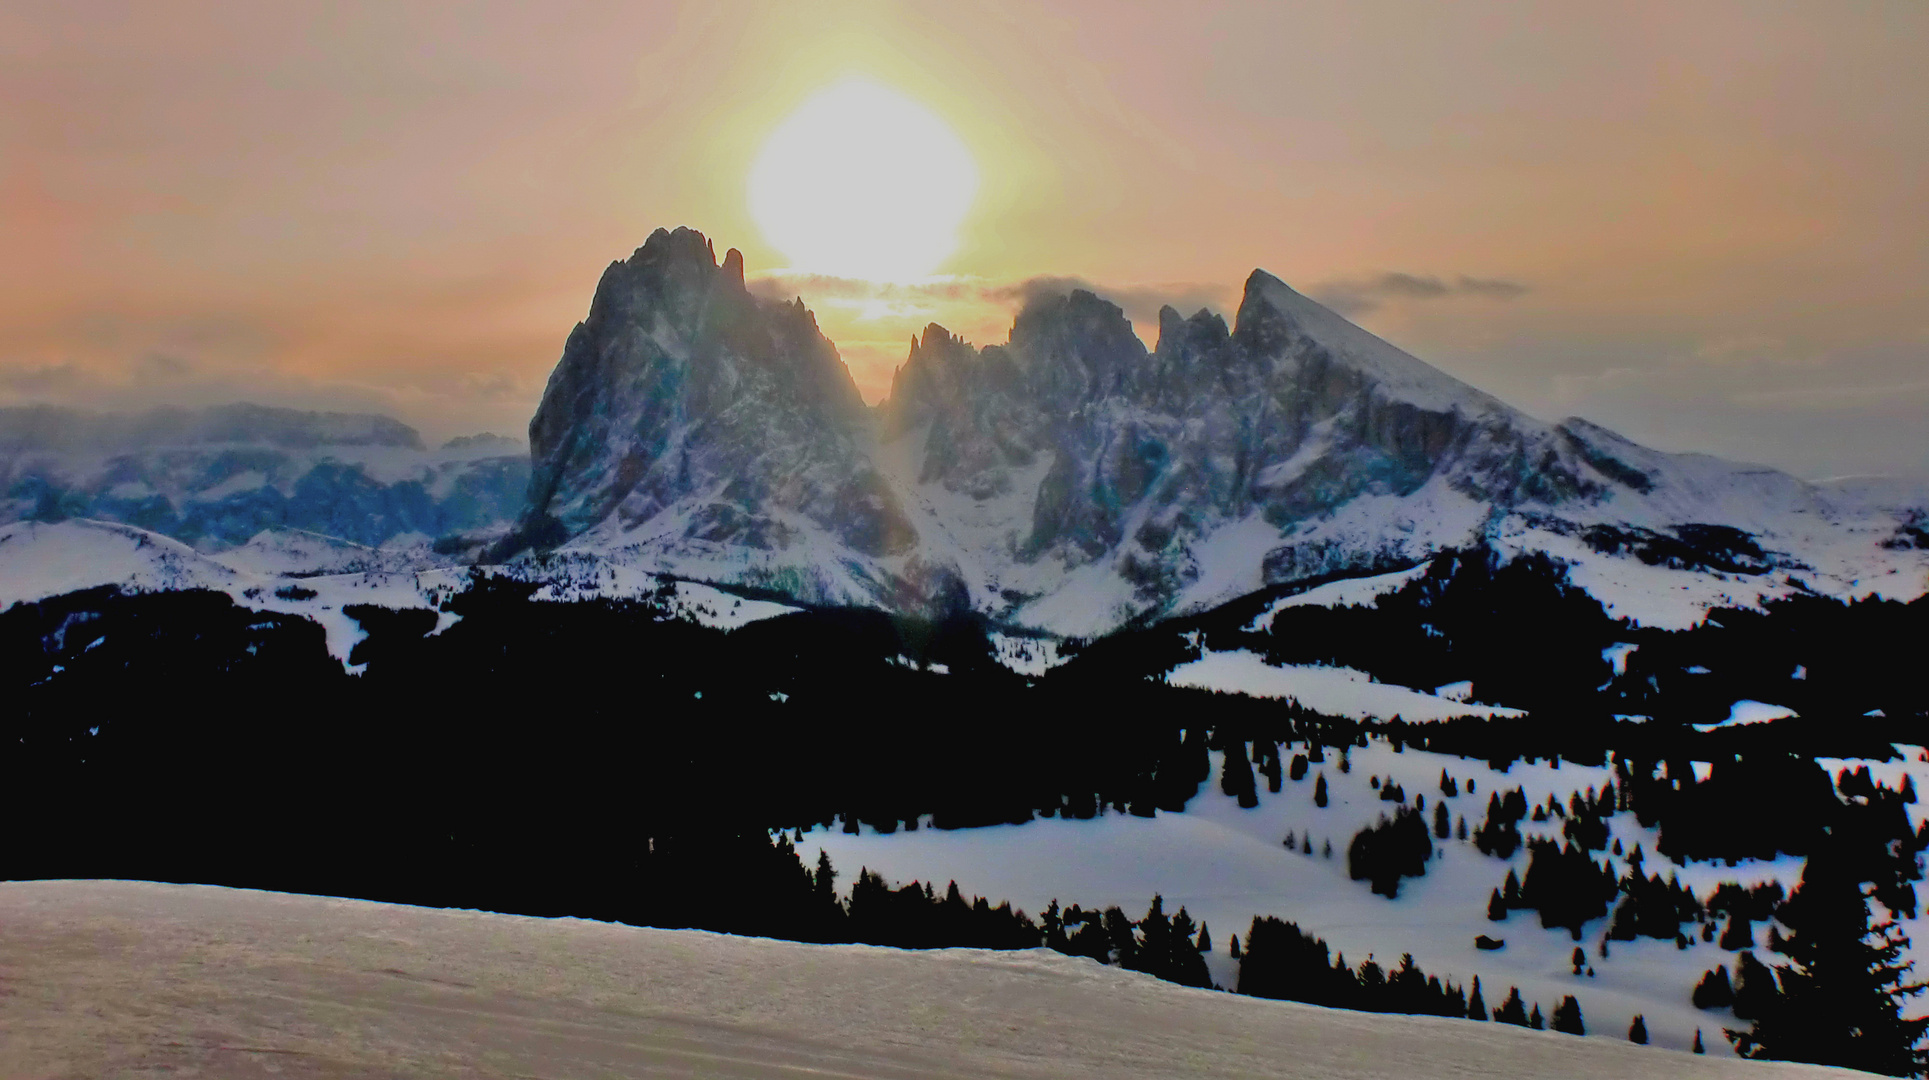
(1334, 691)
(1226, 865)
(230, 982)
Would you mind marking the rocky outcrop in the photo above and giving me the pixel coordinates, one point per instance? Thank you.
(1289, 415)
(686, 405)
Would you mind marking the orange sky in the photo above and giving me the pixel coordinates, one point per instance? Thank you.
(1704, 225)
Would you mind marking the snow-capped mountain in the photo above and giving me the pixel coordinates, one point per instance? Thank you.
(221, 477)
(1072, 481)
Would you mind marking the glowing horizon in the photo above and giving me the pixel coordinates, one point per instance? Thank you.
(1698, 225)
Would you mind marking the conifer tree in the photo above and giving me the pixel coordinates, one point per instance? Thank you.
(1055, 928)
(1698, 1048)
(1319, 791)
(1235, 946)
(1155, 939)
(1204, 944)
(1754, 987)
(1476, 1006)
(1740, 933)
(1840, 995)
(1535, 1020)
(1181, 961)
(1714, 990)
(1567, 1017)
(1442, 823)
(1236, 777)
(1496, 910)
(1513, 1010)
(1638, 1030)
(824, 881)
(1118, 935)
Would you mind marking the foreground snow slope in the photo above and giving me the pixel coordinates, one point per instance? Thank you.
(108, 978)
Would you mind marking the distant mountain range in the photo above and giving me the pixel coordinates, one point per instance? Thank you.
(220, 477)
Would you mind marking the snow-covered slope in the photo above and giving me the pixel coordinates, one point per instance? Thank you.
(318, 578)
(230, 982)
(1332, 691)
(1070, 480)
(1226, 864)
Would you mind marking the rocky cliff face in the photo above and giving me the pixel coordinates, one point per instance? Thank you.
(1070, 478)
(690, 416)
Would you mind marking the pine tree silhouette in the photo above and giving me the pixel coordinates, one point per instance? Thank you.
(1840, 995)
(1236, 776)
(1513, 1010)
(1714, 990)
(1567, 1017)
(1740, 933)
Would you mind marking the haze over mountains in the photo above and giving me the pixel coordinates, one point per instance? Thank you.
(220, 477)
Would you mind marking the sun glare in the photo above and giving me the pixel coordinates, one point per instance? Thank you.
(863, 182)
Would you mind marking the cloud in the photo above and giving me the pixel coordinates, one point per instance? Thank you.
(953, 297)
(1141, 303)
(1357, 296)
(36, 379)
(162, 368)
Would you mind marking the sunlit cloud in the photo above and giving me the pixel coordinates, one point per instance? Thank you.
(1358, 296)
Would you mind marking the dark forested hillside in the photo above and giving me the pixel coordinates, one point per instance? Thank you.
(532, 747)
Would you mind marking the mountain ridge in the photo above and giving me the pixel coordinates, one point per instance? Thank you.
(1070, 479)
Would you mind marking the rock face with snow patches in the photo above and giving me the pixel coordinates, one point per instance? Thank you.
(691, 420)
(1072, 480)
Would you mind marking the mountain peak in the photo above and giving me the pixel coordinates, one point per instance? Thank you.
(1275, 319)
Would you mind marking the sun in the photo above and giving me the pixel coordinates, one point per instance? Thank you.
(863, 182)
